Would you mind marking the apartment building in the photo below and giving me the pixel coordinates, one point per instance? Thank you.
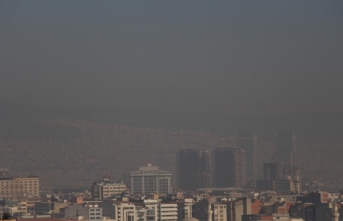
(105, 188)
(84, 212)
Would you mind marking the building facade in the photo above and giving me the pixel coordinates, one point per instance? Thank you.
(126, 212)
(83, 212)
(156, 211)
(219, 212)
(228, 167)
(247, 142)
(281, 178)
(150, 179)
(26, 186)
(185, 209)
(105, 188)
(193, 169)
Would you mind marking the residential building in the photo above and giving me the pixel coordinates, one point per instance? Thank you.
(105, 188)
(83, 212)
(157, 211)
(127, 212)
(15, 208)
(185, 209)
(219, 212)
(242, 207)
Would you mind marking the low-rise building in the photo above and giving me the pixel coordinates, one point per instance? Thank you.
(83, 212)
(105, 188)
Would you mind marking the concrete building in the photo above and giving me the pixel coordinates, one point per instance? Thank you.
(219, 212)
(42, 208)
(284, 144)
(185, 209)
(200, 210)
(108, 209)
(228, 168)
(240, 169)
(16, 208)
(157, 211)
(193, 169)
(105, 188)
(150, 210)
(22, 186)
(127, 212)
(247, 141)
(242, 207)
(280, 178)
(57, 206)
(83, 212)
(150, 179)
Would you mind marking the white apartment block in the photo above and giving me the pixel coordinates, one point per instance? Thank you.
(126, 212)
(104, 189)
(168, 212)
(151, 210)
(156, 211)
(26, 186)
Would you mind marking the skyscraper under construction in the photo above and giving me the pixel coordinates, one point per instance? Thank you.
(228, 167)
(284, 147)
(193, 169)
(247, 141)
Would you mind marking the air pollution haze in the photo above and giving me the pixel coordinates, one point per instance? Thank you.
(245, 58)
(152, 77)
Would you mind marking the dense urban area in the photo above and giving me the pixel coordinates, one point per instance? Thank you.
(83, 168)
(171, 110)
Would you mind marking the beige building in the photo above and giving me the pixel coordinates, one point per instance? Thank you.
(150, 179)
(219, 212)
(105, 188)
(26, 186)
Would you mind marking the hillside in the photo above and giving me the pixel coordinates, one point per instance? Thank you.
(74, 147)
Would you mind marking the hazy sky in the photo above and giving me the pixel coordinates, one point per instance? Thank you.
(242, 57)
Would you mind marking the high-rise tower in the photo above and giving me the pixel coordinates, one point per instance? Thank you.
(247, 142)
(228, 167)
(192, 169)
(284, 143)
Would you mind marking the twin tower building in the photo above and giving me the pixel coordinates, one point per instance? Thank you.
(226, 167)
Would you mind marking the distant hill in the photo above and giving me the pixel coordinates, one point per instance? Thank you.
(71, 147)
(307, 127)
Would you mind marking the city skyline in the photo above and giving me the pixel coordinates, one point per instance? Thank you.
(89, 88)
